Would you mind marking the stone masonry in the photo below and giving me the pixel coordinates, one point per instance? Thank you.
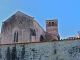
(26, 26)
(23, 28)
(57, 50)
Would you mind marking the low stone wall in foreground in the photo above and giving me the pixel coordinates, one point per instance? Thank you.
(56, 50)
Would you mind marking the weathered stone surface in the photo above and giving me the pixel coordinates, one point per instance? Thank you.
(57, 50)
(39, 31)
(25, 25)
(21, 28)
(52, 28)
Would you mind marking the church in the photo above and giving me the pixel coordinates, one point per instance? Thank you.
(21, 28)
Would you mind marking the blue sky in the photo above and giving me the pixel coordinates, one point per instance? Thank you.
(66, 11)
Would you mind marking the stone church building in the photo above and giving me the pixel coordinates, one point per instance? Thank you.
(22, 28)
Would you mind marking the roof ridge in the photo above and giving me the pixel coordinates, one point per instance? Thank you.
(18, 13)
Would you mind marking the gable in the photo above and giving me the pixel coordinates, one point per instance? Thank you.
(18, 19)
(18, 15)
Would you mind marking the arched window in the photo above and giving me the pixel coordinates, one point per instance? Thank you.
(16, 36)
(52, 23)
(49, 23)
(41, 38)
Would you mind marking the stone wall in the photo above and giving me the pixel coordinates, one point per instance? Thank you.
(26, 27)
(56, 50)
(50, 37)
(39, 30)
(17, 22)
(52, 26)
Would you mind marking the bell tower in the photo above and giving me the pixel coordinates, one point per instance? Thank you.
(52, 27)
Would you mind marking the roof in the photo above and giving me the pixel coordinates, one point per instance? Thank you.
(18, 13)
(52, 20)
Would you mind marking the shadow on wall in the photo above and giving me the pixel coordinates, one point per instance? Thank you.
(12, 54)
